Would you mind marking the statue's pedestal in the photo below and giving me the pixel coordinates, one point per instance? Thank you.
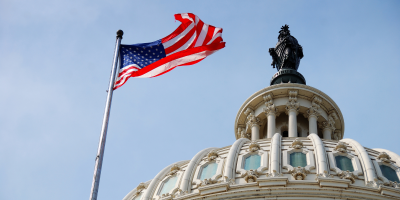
(287, 76)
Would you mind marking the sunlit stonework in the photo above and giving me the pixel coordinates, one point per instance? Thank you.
(297, 144)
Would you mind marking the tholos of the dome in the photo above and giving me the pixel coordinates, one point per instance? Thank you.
(232, 158)
(275, 153)
(369, 171)
(191, 168)
(320, 154)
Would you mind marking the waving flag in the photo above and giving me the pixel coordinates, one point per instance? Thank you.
(190, 43)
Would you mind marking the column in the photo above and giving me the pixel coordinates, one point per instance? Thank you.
(255, 131)
(329, 126)
(253, 123)
(312, 115)
(292, 109)
(271, 112)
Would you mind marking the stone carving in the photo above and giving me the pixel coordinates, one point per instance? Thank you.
(206, 181)
(330, 123)
(270, 106)
(287, 52)
(254, 146)
(325, 174)
(292, 104)
(274, 174)
(251, 176)
(212, 155)
(231, 181)
(337, 135)
(297, 144)
(299, 173)
(140, 188)
(242, 133)
(179, 192)
(173, 170)
(375, 183)
(347, 175)
(384, 157)
(314, 109)
(252, 120)
(394, 184)
(341, 147)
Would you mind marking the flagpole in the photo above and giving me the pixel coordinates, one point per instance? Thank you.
(103, 135)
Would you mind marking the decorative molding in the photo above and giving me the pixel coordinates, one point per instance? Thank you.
(297, 144)
(341, 147)
(274, 174)
(324, 174)
(251, 176)
(270, 106)
(330, 123)
(314, 108)
(299, 173)
(384, 157)
(254, 146)
(292, 104)
(212, 155)
(175, 168)
(252, 120)
(140, 188)
(242, 133)
(337, 135)
(347, 175)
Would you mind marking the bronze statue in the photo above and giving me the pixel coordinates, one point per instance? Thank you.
(287, 52)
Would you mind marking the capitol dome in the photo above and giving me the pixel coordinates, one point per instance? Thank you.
(289, 145)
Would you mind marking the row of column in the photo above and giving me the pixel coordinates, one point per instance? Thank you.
(292, 110)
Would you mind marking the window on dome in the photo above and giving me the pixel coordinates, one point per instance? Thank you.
(138, 197)
(389, 173)
(344, 163)
(298, 159)
(252, 162)
(169, 185)
(209, 171)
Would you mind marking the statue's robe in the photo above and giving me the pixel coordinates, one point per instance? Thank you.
(289, 53)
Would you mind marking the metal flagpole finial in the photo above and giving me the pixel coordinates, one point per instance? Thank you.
(120, 33)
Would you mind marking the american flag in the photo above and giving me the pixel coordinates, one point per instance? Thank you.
(190, 43)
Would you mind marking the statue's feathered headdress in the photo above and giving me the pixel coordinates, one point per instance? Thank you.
(284, 30)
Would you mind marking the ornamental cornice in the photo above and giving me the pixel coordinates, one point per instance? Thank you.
(292, 104)
(314, 108)
(305, 92)
(270, 108)
(252, 120)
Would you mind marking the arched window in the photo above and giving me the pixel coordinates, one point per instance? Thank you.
(138, 197)
(209, 171)
(344, 163)
(389, 173)
(252, 162)
(298, 159)
(169, 185)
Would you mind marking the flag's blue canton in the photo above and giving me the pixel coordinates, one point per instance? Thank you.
(141, 54)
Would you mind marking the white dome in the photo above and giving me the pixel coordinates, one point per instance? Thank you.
(306, 166)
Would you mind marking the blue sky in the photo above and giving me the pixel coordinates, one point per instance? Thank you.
(55, 63)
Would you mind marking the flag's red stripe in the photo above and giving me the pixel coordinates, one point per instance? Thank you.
(178, 55)
(185, 23)
(210, 34)
(181, 42)
(199, 27)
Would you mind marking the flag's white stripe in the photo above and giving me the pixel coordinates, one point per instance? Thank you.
(134, 67)
(174, 63)
(124, 77)
(178, 37)
(197, 19)
(215, 37)
(202, 35)
(186, 16)
(186, 45)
